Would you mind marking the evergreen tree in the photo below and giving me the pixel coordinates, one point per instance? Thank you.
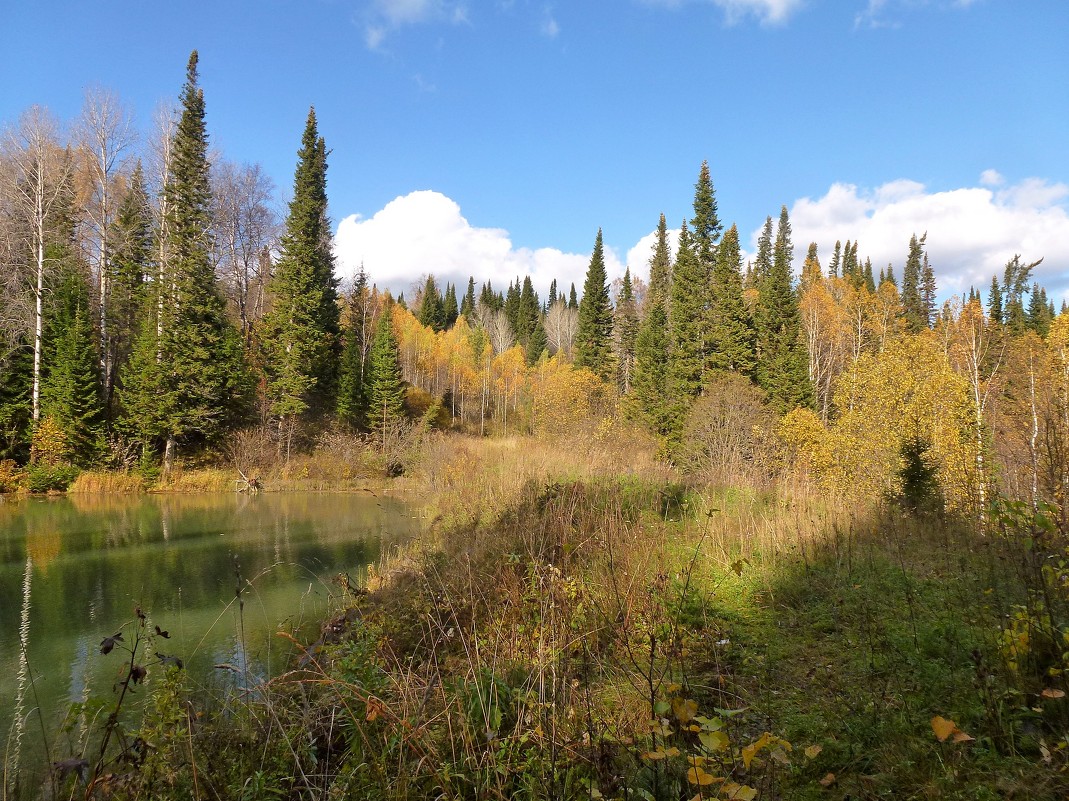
(537, 343)
(686, 323)
(811, 272)
(836, 260)
(71, 385)
(928, 293)
(867, 276)
(730, 327)
(299, 336)
(467, 306)
(131, 261)
(352, 378)
(1039, 311)
(661, 263)
(593, 338)
(783, 365)
(573, 303)
(431, 307)
(449, 304)
(649, 402)
(705, 225)
(385, 388)
(527, 311)
(551, 301)
(1014, 285)
(512, 306)
(16, 408)
(626, 325)
(913, 300)
(762, 265)
(198, 384)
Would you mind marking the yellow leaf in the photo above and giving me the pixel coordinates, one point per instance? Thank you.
(684, 710)
(1051, 693)
(698, 776)
(780, 756)
(653, 756)
(671, 752)
(751, 750)
(828, 780)
(372, 712)
(739, 792)
(943, 728)
(961, 737)
(813, 751)
(697, 761)
(714, 740)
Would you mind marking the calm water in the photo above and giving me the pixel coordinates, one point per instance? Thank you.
(89, 561)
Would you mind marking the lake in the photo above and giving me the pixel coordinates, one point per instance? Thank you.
(74, 569)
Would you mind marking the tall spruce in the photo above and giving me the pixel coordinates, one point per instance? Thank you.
(431, 312)
(352, 378)
(730, 331)
(467, 306)
(661, 262)
(783, 365)
(913, 305)
(449, 305)
(626, 327)
(193, 382)
(385, 388)
(994, 302)
(301, 332)
(686, 323)
(131, 262)
(593, 338)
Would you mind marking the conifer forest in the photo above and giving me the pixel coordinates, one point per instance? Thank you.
(718, 529)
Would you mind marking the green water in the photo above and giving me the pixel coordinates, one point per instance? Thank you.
(88, 561)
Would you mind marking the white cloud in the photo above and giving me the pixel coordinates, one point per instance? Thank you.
(383, 16)
(550, 27)
(766, 11)
(424, 232)
(972, 231)
(991, 178)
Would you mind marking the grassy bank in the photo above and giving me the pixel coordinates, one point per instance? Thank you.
(581, 623)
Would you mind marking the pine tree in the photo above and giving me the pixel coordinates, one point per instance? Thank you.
(352, 378)
(131, 262)
(298, 335)
(1014, 285)
(649, 401)
(705, 225)
(198, 384)
(385, 388)
(467, 306)
(783, 365)
(730, 328)
(512, 306)
(1039, 312)
(762, 265)
(573, 303)
(913, 302)
(928, 293)
(449, 306)
(626, 327)
(71, 385)
(431, 308)
(593, 338)
(537, 343)
(836, 260)
(686, 325)
(551, 301)
(661, 263)
(527, 311)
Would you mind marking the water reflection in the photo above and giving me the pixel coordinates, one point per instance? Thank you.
(91, 559)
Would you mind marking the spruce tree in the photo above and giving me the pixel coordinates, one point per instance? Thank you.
(300, 333)
(537, 343)
(836, 260)
(385, 388)
(199, 384)
(994, 302)
(467, 306)
(730, 329)
(913, 301)
(573, 302)
(551, 301)
(131, 261)
(661, 263)
(762, 264)
(649, 401)
(783, 365)
(686, 324)
(527, 311)
(593, 338)
(431, 311)
(705, 225)
(512, 306)
(71, 385)
(352, 377)
(626, 326)
(449, 306)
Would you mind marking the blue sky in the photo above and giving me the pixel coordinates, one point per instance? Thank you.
(496, 137)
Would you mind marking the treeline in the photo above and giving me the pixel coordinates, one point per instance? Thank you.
(157, 304)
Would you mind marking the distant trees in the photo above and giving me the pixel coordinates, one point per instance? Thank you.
(593, 338)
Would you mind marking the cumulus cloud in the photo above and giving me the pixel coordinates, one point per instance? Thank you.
(972, 231)
(425, 233)
(766, 11)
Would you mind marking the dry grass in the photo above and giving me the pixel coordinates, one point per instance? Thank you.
(98, 481)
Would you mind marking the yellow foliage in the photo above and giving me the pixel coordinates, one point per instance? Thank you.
(565, 396)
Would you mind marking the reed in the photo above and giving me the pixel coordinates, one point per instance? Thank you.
(100, 481)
